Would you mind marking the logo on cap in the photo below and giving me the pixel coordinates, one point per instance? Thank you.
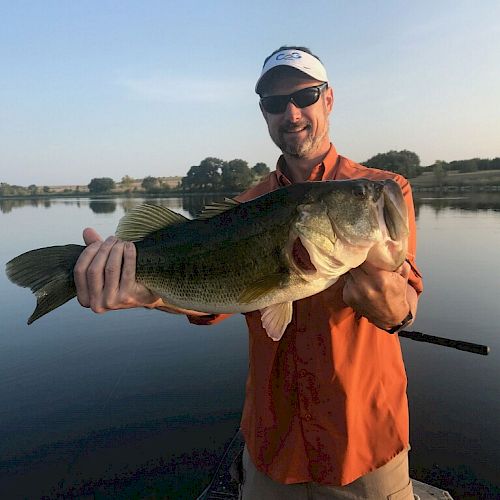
(288, 57)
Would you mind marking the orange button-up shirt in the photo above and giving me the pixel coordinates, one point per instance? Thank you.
(327, 403)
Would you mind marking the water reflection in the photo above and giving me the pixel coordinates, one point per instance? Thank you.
(473, 202)
(87, 399)
(102, 206)
(193, 204)
(8, 204)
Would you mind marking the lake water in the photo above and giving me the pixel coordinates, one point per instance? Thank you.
(139, 403)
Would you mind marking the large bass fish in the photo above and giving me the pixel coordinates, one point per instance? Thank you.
(238, 257)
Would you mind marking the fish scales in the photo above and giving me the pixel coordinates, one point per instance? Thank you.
(210, 262)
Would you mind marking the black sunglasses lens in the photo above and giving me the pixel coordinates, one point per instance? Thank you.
(306, 97)
(276, 104)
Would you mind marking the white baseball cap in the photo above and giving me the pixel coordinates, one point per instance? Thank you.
(298, 59)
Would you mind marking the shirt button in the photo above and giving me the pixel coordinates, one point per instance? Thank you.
(302, 373)
(307, 417)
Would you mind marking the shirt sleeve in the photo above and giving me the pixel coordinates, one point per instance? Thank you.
(208, 319)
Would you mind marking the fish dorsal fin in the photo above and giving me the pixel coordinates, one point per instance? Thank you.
(276, 318)
(144, 219)
(261, 287)
(216, 208)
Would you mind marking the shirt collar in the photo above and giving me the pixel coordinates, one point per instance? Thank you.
(324, 170)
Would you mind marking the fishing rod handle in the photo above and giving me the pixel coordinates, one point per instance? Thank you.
(461, 345)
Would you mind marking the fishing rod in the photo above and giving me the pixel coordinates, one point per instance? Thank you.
(461, 345)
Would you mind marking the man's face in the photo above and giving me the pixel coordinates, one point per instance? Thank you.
(299, 132)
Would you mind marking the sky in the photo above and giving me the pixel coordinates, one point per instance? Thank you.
(100, 88)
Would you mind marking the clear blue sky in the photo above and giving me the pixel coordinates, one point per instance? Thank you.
(106, 88)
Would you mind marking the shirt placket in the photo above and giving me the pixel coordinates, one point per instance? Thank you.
(303, 362)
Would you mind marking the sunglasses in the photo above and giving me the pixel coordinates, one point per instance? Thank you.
(277, 104)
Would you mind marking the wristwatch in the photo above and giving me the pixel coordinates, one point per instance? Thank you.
(400, 326)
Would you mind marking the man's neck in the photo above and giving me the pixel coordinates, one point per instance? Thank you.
(299, 169)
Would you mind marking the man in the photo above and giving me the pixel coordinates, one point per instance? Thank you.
(326, 414)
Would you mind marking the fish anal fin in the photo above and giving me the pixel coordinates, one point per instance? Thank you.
(276, 318)
(145, 219)
(261, 287)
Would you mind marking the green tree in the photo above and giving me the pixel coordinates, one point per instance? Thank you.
(101, 185)
(46, 189)
(260, 170)
(32, 189)
(127, 182)
(6, 189)
(164, 185)
(151, 184)
(406, 163)
(469, 165)
(440, 172)
(236, 175)
(205, 176)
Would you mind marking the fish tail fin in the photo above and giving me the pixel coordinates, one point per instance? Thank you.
(48, 272)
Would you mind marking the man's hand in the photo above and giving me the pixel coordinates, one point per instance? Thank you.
(105, 277)
(383, 297)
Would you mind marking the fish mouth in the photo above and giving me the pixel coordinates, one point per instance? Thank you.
(394, 211)
(301, 256)
(389, 253)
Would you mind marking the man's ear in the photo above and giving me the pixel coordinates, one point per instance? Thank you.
(329, 99)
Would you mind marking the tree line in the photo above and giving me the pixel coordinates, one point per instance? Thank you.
(13, 190)
(212, 174)
(407, 163)
(216, 175)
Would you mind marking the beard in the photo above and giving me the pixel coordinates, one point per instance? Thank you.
(295, 146)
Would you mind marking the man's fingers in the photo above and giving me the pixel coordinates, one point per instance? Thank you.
(80, 272)
(90, 236)
(112, 273)
(405, 269)
(129, 264)
(348, 292)
(95, 273)
(356, 272)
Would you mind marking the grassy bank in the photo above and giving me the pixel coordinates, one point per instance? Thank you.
(482, 180)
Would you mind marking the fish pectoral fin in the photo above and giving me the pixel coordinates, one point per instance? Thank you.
(261, 287)
(276, 318)
(145, 219)
(217, 208)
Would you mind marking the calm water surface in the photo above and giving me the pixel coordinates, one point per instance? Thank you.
(137, 403)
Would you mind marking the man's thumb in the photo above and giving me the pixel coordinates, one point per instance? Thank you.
(90, 236)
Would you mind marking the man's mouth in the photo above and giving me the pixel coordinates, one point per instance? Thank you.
(295, 130)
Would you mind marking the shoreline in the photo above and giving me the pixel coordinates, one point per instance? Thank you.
(416, 184)
(107, 196)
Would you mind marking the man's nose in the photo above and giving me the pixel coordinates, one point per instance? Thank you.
(292, 112)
